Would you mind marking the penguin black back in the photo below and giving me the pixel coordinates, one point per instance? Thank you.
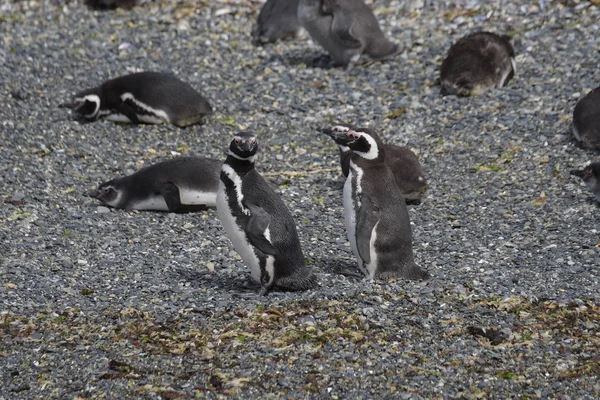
(586, 120)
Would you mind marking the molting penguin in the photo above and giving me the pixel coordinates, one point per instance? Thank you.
(591, 176)
(402, 161)
(184, 184)
(476, 63)
(586, 120)
(278, 19)
(346, 29)
(258, 222)
(377, 221)
(148, 97)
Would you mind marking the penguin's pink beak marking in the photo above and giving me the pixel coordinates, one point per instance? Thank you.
(352, 135)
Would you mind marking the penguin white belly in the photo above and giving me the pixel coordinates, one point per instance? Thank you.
(189, 196)
(147, 119)
(157, 203)
(350, 216)
(236, 234)
(372, 266)
(575, 132)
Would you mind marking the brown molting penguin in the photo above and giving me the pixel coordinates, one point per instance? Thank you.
(476, 63)
(591, 176)
(278, 19)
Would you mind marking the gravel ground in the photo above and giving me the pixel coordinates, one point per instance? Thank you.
(101, 303)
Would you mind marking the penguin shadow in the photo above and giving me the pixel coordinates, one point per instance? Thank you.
(309, 59)
(338, 266)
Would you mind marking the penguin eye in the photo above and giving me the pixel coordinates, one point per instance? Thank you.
(237, 141)
(252, 140)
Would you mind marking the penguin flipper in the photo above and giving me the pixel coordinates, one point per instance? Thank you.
(257, 225)
(341, 28)
(128, 111)
(170, 192)
(368, 217)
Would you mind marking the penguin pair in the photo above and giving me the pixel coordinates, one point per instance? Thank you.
(258, 223)
(591, 177)
(586, 120)
(346, 29)
(144, 97)
(184, 184)
(375, 213)
(476, 63)
(403, 163)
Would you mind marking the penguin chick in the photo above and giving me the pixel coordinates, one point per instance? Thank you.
(112, 4)
(278, 19)
(404, 164)
(586, 120)
(476, 63)
(376, 217)
(148, 97)
(591, 177)
(258, 223)
(184, 184)
(346, 29)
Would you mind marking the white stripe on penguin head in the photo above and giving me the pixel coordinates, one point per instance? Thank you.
(373, 152)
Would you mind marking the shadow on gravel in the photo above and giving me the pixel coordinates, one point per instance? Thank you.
(309, 59)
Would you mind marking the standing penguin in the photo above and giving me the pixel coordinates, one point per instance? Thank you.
(183, 184)
(346, 29)
(591, 176)
(278, 19)
(148, 97)
(478, 62)
(375, 214)
(586, 120)
(402, 161)
(258, 222)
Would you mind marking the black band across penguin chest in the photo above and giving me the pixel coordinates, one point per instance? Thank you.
(141, 111)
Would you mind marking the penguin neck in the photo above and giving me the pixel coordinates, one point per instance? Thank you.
(241, 166)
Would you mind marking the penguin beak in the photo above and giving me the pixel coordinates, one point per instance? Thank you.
(92, 193)
(578, 173)
(327, 131)
(67, 105)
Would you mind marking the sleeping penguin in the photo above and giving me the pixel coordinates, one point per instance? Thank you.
(143, 97)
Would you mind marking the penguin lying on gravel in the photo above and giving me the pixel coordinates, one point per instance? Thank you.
(111, 4)
(184, 184)
(586, 120)
(346, 29)
(278, 19)
(148, 97)
(402, 161)
(375, 214)
(258, 223)
(476, 63)
(591, 177)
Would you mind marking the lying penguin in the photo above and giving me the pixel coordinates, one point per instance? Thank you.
(258, 223)
(476, 63)
(184, 184)
(143, 97)
(586, 120)
(278, 19)
(375, 215)
(402, 161)
(591, 176)
(346, 29)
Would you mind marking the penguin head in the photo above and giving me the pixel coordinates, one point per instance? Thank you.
(590, 172)
(108, 193)
(362, 141)
(86, 104)
(338, 134)
(243, 146)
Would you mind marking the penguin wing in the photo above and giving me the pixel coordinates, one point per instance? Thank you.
(367, 218)
(341, 28)
(257, 225)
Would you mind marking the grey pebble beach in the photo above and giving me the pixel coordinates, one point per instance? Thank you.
(114, 304)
